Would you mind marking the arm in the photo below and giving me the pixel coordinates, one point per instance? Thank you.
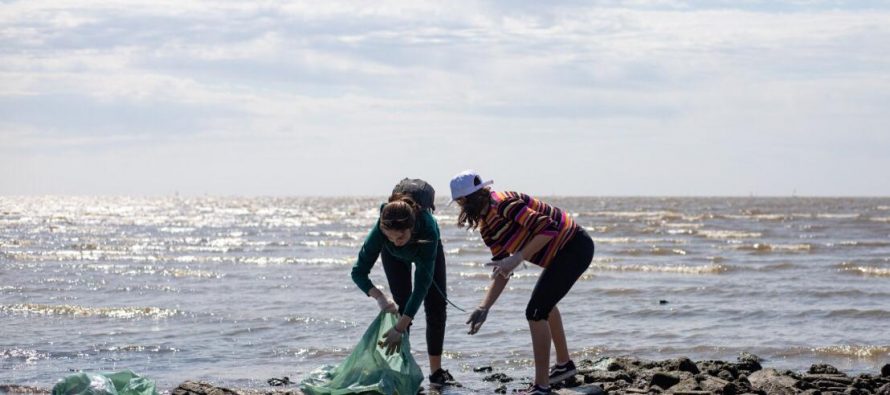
(367, 256)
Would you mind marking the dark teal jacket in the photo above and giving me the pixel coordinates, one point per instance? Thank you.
(421, 250)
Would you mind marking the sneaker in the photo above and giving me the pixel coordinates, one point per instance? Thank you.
(559, 373)
(536, 390)
(441, 377)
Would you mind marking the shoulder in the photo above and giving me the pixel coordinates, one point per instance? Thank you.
(427, 224)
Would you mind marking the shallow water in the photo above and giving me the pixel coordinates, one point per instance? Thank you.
(239, 290)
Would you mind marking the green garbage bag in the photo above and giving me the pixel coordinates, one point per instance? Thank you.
(115, 383)
(368, 369)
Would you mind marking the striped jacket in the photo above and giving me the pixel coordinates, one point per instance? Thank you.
(514, 219)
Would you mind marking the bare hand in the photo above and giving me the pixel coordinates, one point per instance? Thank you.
(391, 341)
(477, 318)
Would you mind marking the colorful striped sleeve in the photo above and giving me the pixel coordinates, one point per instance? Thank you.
(517, 209)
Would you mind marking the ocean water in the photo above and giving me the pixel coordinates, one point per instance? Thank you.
(239, 290)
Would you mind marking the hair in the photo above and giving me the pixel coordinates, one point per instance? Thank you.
(400, 213)
(471, 211)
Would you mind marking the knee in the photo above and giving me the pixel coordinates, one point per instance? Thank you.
(537, 313)
(435, 316)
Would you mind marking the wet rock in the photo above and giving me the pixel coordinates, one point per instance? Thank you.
(822, 368)
(201, 388)
(606, 376)
(501, 390)
(883, 390)
(685, 385)
(582, 390)
(711, 383)
(499, 377)
(21, 389)
(664, 380)
(682, 364)
(771, 382)
(483, 369)
(885, 371)
(726, 375)
(204, 388)
(749, 362)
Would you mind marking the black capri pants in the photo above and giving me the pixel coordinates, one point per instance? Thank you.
(558, 278)
(398, 275)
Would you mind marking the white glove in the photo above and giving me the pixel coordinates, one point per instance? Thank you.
(505, 266)
(386, 304)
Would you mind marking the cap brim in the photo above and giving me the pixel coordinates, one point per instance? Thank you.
(476, 188)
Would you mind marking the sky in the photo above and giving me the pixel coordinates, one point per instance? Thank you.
(323, 98)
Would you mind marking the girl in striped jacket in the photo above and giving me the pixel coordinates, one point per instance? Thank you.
(517, 228)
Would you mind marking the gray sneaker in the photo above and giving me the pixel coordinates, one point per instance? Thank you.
(560, 373)
(442, 378)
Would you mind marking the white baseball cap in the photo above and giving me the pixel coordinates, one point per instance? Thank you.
(465, 183)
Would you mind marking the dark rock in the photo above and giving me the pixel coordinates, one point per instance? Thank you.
(483, 369)
(731, 389)
(811, 392)
(664, 380)
(883, 390)
(663, 302)
(499, 377)
(582, 390)
(501, 390)
(771, 382)
(599, 376)
(201, 388)
(885, 371)
(682, 364)
(828, 380)
(822, 368)
(749, 362)
(726, 375)
(21, 389)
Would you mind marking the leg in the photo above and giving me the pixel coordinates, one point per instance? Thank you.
(434, 306)
(398, 276)
(553, 284)
(559, 336)
(541, 348)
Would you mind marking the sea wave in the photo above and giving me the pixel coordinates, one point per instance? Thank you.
(149, 270)
(727, 234)
(768, 248)
(679, 269)
(875, 271)
(636, 240)
(656, 251)
(23, 355)
(863, 351)
(85, 311)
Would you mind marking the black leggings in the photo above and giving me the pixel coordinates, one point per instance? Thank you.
(558, 278)
(398, 275)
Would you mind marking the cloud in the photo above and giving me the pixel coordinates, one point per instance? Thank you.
(96, 76)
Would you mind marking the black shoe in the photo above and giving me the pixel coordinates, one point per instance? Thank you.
(560, 373)
(536, 390)
(441, 378)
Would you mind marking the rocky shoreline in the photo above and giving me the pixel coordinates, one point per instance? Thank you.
(625, 375)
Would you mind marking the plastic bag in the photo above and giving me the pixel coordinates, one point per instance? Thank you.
(117, 383)
(368, 369)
